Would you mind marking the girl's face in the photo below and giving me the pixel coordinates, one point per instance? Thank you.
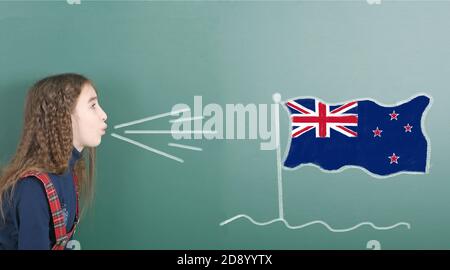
(88, 120)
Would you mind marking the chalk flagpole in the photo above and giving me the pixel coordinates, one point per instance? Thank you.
(277, 99)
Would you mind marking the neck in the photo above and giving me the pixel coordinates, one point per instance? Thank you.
(79, 148)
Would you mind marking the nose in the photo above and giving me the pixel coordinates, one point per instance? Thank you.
(104, 116)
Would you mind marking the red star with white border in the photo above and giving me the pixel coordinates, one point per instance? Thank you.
(394, 115)
(377, 132)
(408, 128)
(394, 158)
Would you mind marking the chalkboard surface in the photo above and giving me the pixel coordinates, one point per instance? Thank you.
(167, 72)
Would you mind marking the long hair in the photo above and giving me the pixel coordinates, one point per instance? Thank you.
(47, 140)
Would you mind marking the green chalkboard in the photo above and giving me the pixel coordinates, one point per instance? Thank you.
(173, 190)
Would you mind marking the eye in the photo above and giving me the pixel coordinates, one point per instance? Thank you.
(93, 105)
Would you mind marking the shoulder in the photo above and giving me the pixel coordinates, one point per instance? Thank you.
(30, 199)
(30, 182)
(30, 187)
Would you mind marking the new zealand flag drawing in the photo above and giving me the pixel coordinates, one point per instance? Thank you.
(383, 140)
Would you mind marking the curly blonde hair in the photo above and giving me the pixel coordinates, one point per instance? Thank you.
(47, 140)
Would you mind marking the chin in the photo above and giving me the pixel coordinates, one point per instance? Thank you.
(98, 143)
(94, 144)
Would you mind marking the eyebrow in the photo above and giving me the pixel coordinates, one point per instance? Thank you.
(92, 99)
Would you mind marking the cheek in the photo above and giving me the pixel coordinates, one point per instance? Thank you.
(87, 129)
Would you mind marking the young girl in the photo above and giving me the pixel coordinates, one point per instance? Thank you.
(40, 187)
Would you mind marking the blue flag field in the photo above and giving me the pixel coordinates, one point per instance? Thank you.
(384, 140)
